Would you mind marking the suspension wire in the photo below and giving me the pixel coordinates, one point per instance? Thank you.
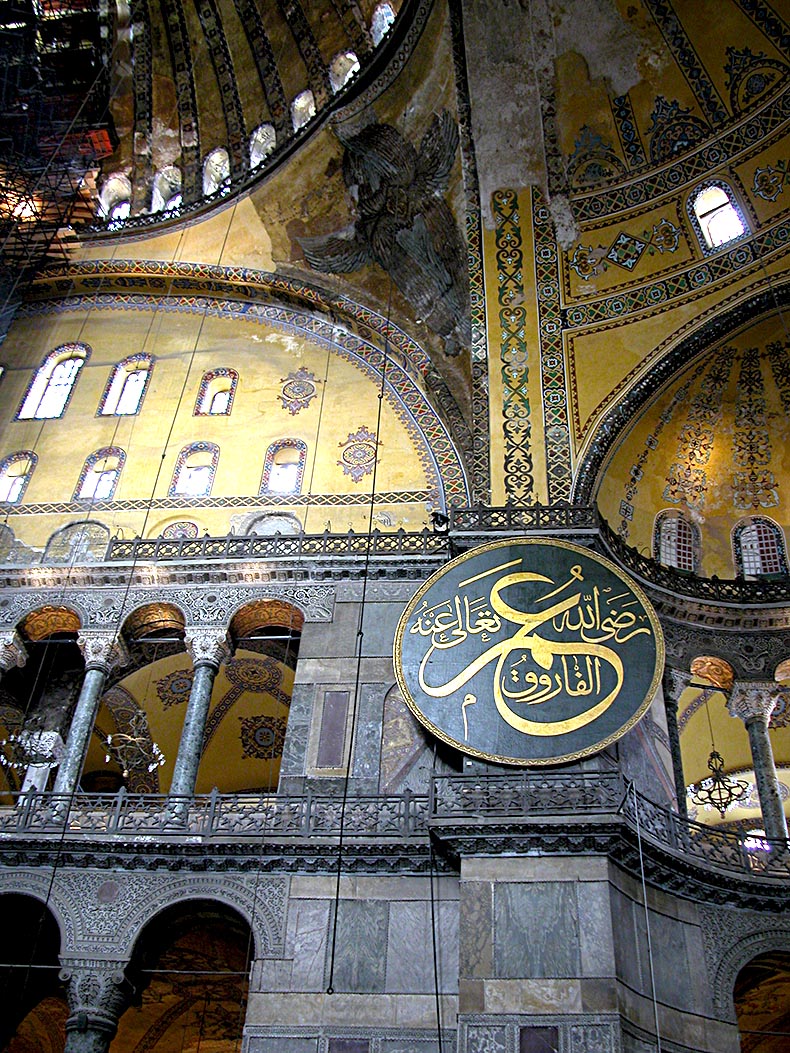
(359, 641)
(632, 789)
(431, 869)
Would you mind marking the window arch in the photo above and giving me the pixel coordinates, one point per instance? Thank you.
(50, 389)
(215, 395)
(216, 172)
(15, 472)
(115, 199)
(342, 68)
(302, 109)
(676, 541)
(166, 190)
(179, 529)
(262, 141)
(283, 467)
(195, 469)
(758, 547)
(126, 387)
(99, 476)
(381, 23)
(715, 215)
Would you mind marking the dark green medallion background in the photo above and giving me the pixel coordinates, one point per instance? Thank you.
(529, 652)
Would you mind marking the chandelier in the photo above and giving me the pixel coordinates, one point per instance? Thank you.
(20, 750)
(719, 790)
(133, 749)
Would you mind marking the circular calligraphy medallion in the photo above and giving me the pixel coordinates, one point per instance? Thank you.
(529, 652)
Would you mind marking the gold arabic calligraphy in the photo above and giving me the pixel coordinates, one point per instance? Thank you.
(582, 667)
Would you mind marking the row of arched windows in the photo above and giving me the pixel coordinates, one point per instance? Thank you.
(48, 393)
(193, 475)
(116, 193)
(758, 545)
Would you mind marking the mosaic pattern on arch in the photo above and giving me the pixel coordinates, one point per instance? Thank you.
(625, 251)
(205, 382)
(262, 737)
(514, 358)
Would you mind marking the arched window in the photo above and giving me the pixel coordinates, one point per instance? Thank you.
(676, 541)
(216, 172)
(215, 395)
(195, 469)
(115, 197)
(342, 68)
(382, 20)
(15, 472)
(49, 391)
(166, 190)
(99, 476)
(283, 467)
(302, 109)
(262, 142)
(716, 215)
(125, 389)
(759, 547)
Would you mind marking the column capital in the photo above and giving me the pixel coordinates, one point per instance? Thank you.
(102, 649)
(98, 992)
(675, 683)
(12, 650)
(753, 700)
(207, 646)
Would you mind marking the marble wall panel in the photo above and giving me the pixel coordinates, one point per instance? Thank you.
(536, 930)
(476, 936)
(308, 922)
(361, 946)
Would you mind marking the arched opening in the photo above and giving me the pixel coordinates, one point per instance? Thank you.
(115, 199)
(762, 1003)
(33, 1007)
(190, 971)
(262, 142)
(134, 743)
(342, 68)
(43, 692)
(302, 109)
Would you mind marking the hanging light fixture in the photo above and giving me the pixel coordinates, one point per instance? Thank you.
(134, 750)
(27, 747)
(718, 790)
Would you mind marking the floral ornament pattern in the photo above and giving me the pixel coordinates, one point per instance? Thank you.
(769, 182)
(625, 251)
(359, 453)
(173, 689)
(262, 737)
(298, 390)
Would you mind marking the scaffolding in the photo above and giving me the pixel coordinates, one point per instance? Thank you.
(55, 127)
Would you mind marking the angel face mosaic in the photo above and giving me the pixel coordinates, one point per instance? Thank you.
(529, 652)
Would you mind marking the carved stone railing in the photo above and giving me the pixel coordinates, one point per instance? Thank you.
(714, 590)
(484, 802)
(523, 518)
(213, 816)
(398, 545)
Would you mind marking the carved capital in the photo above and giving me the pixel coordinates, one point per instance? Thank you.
(675, 683)
(207, 646)
(97, 991)
(12, 650)
(102, 649)
(753, 700)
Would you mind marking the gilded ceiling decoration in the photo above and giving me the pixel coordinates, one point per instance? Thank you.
(46, 621)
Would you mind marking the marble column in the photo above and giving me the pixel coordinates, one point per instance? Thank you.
(12, 650)
(102, 651)
(675, 682)
(98, 993)
(208, 648)
(753, 702)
